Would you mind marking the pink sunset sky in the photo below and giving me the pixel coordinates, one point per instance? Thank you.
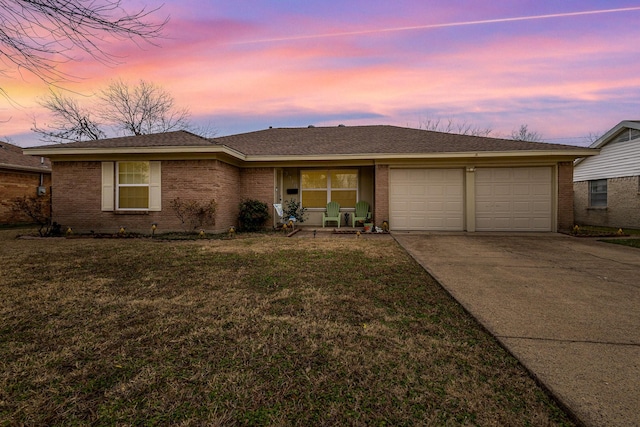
(567, 69)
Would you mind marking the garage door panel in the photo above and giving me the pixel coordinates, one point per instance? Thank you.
(517, 199)
(433, 199)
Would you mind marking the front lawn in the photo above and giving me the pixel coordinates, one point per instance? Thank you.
(634, 243)
(264, 330)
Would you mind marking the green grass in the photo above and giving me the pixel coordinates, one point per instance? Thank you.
(592, 230)
(263, 330)
(634, 243)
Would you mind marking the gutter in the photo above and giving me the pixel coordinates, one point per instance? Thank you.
(48, 152)
(25, 168)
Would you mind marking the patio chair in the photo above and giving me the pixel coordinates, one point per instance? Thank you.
(361, 213)
(332, 213)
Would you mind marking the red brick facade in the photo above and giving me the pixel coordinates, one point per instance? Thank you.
(381, 194)
(565, 196)
(13, 184)
(77, 196)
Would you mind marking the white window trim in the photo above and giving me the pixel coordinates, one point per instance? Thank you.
(111, 192)
(606, 202)
(328, 189)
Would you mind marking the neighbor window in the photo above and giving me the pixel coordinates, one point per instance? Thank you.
(320, 187)
(131, 185)
(598, 193)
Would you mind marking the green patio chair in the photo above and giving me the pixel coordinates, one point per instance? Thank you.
(361, 213)
(332, 213)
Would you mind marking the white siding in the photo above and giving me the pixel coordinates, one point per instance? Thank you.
(616, 160)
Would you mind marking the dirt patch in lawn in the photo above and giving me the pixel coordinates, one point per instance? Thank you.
(265, 330)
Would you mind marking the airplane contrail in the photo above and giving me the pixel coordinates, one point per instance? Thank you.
(432, 26)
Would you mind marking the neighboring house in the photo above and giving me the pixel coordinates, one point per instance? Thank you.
(20, 176)
(607, 186)
(414, 179)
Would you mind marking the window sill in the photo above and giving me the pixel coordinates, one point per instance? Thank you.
(325, 209)
(597, 208)
(133, 212)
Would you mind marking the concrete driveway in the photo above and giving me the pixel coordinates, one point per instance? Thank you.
(567, 308)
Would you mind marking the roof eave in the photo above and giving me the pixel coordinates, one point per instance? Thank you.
(64, 152)
(25, 168)
(444, 155)
(61, 152)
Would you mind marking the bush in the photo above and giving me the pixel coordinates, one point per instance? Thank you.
(294, 209)
(194, 214)
(37, 209)
(253, 215)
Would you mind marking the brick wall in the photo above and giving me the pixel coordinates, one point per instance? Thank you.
(623, 204)
(258, 184)
(77, 196)
(381, 209)
(565, 196)
(15, 184)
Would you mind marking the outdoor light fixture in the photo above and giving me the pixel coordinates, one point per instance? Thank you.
(314, 233)
(154, 226)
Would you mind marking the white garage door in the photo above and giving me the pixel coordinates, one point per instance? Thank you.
(514, 199)
(426, 199)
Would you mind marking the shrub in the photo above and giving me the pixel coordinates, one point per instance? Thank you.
(37, 209)
(194, 214)
(294, 209)
(253, 215)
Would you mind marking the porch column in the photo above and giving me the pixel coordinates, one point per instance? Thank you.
(381, 195)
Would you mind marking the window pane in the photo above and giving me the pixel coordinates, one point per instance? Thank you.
(314, 198)
(346, 198)
(134, 198)
(314, 179)
(598, 193)
(344, 179)
(133, 172)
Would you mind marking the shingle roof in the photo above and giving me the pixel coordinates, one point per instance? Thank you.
(320, 141)
(11, 157)
(180, 138)
(380, 139)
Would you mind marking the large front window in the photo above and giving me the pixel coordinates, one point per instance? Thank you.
(133, 185)
(320, 187)
(598, 193)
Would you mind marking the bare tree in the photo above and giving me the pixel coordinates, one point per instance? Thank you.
(142, 109)
(71, 122)
(451, 126)
(524, 134)
(38, 35)
(126, 110)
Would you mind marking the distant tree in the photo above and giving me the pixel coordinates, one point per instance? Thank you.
(71, 122)
(38, 35)
(142, 109)
(524, 134)
(450, 126)
(593, 137)
(127, 110)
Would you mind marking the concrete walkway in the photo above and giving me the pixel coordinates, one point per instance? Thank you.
(567, 308)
